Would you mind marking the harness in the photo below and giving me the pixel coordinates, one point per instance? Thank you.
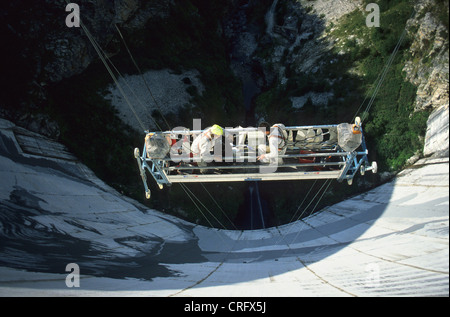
(204, 134)
(280, 136)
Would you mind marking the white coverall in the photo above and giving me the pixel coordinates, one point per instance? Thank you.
(277, 145)
(202, 146)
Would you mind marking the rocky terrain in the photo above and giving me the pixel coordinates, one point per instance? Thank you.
(74, 196)
(42, 50)
(168, 94)
(295, 35)
(428, 69)
(236, 62)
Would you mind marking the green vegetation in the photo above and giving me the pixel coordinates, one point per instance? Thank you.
(91, 129)
(189, 39)
(394, 132)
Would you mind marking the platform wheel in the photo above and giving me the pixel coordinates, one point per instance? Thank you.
(350, 181)
(374, 167)
(362, 170)
(136, 153)
(147, 194)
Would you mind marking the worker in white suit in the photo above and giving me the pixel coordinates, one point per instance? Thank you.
(204, 143)
(277, 144)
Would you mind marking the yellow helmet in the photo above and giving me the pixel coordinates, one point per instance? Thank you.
(217, 130)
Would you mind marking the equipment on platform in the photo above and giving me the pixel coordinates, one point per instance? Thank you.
(313, 152)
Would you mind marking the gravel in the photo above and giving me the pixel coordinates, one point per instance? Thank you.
(168, 89)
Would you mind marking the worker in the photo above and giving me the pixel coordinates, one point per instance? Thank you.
(204, 143)
(232, 151)
(277, 140)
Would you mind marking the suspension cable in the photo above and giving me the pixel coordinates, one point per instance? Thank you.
(108, 60)
(143, 77)
(134, 94)
(185, 188)
(217, 204)
(199, 201)
(103, 59)
(382, 75)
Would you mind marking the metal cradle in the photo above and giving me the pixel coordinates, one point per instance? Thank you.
(313, 152)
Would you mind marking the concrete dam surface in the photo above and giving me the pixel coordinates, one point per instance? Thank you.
(66, 233)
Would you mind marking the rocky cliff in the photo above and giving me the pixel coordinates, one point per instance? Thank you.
(60, 52)
(318, 53)
(296, 62)
(428, 69)
(272, 44)
(41, 50)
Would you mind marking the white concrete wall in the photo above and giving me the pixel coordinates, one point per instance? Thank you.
(390, 241)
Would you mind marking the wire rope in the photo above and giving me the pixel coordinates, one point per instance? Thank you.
(382, 76)
(143, 77)
(105, 60)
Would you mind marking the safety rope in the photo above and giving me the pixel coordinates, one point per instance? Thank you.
(382, 75)
(143, 78)
(134, 94)
(317, 193)
(218, 206)
(304, 199)
(190, 194)
(327, 183)
(103, 59)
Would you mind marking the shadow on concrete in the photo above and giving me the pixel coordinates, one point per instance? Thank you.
(53, 212)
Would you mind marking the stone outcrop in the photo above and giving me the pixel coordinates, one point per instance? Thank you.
(297, 42)
(60, 52)
(428, 70)
(437, 136)
(301, 43)
(42, 50)
(169, 94)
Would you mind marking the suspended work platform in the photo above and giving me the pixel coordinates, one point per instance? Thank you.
(310, 152)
